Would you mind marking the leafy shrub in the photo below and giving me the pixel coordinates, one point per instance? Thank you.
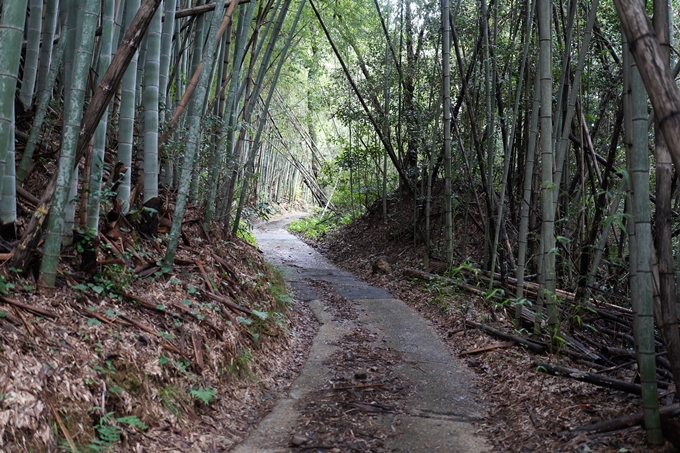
(244, 233)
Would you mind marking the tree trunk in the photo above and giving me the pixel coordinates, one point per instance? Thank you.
(655, 73)
(95, 110)
(193, 137)
(69, 143)
(548, 185)
(522, 237)
(641, 290)
(99, 145)
(32, 52)
(446, 84)
(667, 317)
(126, 121)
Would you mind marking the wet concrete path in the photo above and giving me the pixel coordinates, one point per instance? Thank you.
(440, 412)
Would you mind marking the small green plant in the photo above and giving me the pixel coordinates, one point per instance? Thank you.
(277, 288)
(5, 286)
(181, 365)
(106, 369)
(243, 232)
(240, 364)
(205, 395)
(173, 399)
(312, 227)
(109, 430)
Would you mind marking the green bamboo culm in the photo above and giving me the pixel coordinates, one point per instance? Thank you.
(32, 52)
(642, 291)
(47, 36)
(99, 143)
(256, 95)
(43, 101)
(164, 82)
(251, 98)
(73, 199)
(11, 35)
(193, 135)
(200, 29)
(166, 51)
(523, 235)
(231, 113)
(69, 143)
(126, 122)
(69, 21)
(446, 87)
(547, 184)
(215, 154)
(150, 104)
(8, 197)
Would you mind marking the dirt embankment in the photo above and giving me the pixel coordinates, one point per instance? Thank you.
(138, 357)
(527, 410)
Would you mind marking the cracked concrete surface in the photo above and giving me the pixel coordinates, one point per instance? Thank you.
(441, 411)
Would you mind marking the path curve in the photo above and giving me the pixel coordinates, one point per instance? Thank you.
(440, 412)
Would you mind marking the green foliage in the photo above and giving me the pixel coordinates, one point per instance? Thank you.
(109, 281)
(108, 431)
(181, 365)
(240, 364)
(244, 233)
(205, 395)
(315, 227)
(174, 399)
(281, 296)
(5, 286)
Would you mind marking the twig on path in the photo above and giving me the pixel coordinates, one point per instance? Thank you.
(358, 386)
(323, 447)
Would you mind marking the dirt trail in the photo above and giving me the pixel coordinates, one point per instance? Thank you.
(377, 378)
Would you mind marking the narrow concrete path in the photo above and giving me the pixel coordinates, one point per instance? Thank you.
(439, 413)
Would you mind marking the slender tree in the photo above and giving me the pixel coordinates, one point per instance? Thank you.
(230, 125)
(126, 121)
(667, 316)
(641, 290)
(193, 136)
(547, 183)
(11, 33)
(34, 28)
(166, 50)
(150, 98)
(446, 87)
(47, 36)
(69, 142)
(526, 201)
(99, 143)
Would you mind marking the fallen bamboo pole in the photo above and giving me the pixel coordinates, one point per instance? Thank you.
(591, 378)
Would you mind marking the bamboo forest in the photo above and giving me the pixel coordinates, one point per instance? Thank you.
(201, 198)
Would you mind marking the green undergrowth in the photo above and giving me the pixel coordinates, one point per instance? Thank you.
(244, 232)
(318, 226)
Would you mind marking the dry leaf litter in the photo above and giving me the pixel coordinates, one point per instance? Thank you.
(150, 364)
(527, 410)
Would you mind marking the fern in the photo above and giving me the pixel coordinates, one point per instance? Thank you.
(206, 395)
